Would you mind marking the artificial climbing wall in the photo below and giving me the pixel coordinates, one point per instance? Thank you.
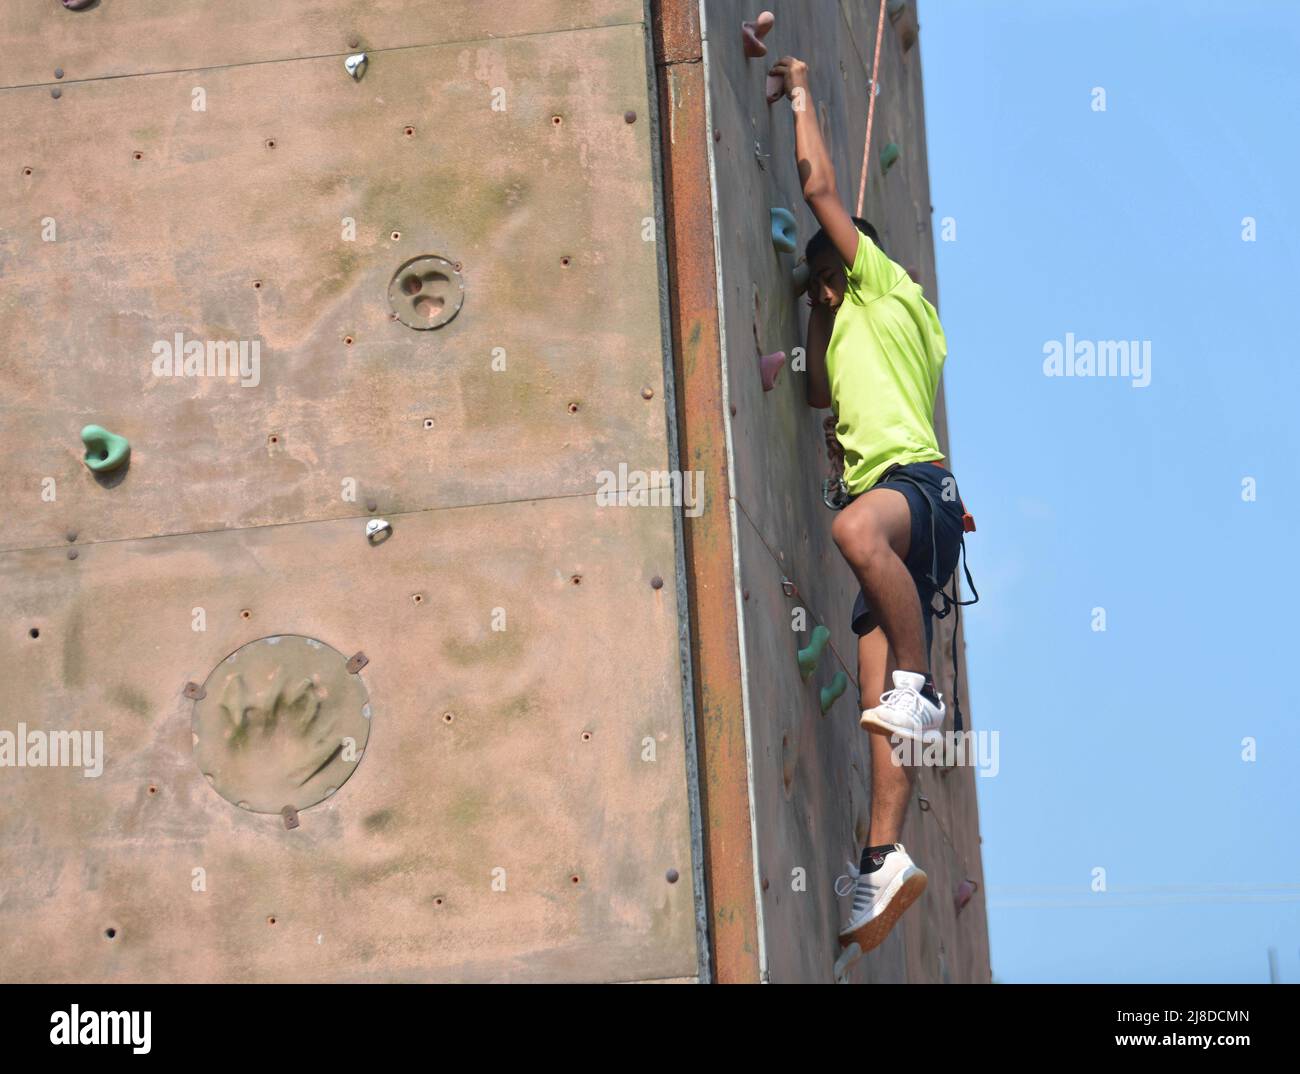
(448, 268)
(810, 772)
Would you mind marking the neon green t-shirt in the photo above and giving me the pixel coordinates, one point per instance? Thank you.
(884, 360)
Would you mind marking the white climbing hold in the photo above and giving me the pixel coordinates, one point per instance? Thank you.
(356, 65)
(378, 530)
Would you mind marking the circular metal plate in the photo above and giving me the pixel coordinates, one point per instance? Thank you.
(426, 292)
(281, 722)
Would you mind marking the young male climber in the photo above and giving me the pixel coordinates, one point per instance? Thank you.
(875, 351)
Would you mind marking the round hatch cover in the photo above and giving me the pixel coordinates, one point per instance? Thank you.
(281, 722)
(426, 292)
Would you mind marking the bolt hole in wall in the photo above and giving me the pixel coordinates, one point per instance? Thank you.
(35, 632)
(246, 614)
(110, 933)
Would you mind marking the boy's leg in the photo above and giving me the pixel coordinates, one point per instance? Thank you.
(873, 534)
(887, 881)
(891, 784)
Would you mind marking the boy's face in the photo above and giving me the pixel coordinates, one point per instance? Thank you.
(826, 279)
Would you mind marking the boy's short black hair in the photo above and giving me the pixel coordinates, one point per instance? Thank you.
(821, 242)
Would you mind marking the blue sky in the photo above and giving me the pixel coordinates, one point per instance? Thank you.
(1122, 749)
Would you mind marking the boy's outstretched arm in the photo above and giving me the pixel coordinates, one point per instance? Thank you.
(815, 170)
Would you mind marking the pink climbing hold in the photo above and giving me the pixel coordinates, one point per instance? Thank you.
(752, 33)
(965, 891)
(769, 366)
(774, 88)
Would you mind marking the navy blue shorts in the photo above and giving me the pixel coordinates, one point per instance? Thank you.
(946, 534)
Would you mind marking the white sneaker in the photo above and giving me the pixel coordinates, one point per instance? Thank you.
(906, 712)
(879, 898)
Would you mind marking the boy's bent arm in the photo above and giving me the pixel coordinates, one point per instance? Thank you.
(821, 322)
(816, 173)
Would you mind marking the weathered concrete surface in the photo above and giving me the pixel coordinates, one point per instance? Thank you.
(811, 783)
(131, 37)
(392, 877)
(553, 749)
(216, 236)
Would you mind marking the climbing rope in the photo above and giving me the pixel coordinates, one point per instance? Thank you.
(871, 108)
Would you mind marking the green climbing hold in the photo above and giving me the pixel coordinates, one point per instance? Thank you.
(889, 156)
(831, 693)
(809, 656)
(105, 451)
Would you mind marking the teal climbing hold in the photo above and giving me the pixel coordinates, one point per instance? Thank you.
(809, 656)
(889, 156)
(785, 232)
(832, 693)
(105, 451)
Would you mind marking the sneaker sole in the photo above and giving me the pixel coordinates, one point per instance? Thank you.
(870, 723)
(872, 934)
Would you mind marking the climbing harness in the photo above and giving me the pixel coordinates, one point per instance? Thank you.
(838, 497)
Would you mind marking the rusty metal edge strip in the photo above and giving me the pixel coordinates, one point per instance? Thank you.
(733, 521)
(671, 403)
(721, 704)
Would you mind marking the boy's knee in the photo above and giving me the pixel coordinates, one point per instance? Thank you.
(859, 536)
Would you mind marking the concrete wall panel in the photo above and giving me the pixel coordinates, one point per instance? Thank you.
(214, 235)
(128, 37)
(391, 878)
(565, 758)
